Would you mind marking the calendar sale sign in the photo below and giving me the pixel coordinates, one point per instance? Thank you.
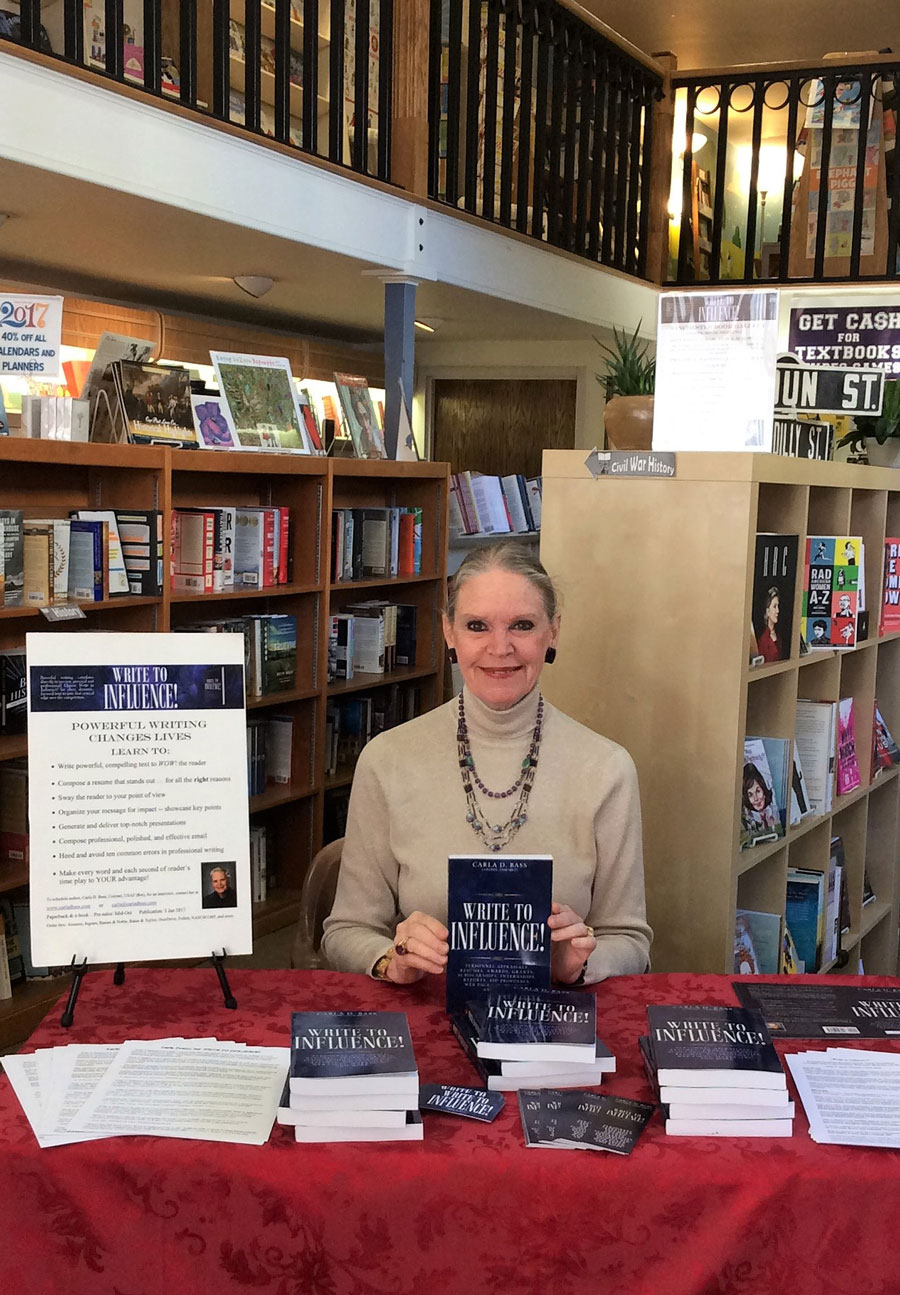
(30, 335)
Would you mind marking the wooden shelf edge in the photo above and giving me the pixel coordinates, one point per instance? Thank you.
(361, 681)
(872, 914)
(229, 595)
(375, 582)
(281, 794)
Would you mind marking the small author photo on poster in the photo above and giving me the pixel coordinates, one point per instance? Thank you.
(217, 885)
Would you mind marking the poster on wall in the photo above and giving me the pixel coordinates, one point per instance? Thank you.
(30, 334)
(715, 370)
(137, 797)
(854, 336)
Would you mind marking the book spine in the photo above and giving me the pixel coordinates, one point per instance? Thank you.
(406, 558)
(284, 536)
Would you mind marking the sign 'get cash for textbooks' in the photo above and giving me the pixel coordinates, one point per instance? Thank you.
(137, 796)
(497, 911)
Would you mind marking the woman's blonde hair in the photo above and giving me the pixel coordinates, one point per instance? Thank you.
(508, 555)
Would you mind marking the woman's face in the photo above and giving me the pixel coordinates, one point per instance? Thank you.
(500, 632)
(772, 610)
(756, 797)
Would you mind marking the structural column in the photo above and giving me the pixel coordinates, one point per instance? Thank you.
(399, 353)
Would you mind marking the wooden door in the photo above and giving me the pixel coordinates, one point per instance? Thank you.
(498, 426)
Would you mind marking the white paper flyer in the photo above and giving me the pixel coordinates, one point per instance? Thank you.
(137, 760)
(715, 370)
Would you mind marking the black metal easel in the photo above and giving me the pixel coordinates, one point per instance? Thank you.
(80, 970)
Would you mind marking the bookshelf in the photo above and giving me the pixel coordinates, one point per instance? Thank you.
(49, 479)
(657, 579)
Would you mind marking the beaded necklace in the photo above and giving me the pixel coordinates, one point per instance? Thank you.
(497, 835)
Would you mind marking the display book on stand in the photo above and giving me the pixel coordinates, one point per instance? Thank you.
(126, 397)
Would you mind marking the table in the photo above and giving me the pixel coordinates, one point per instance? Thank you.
(469, 1210)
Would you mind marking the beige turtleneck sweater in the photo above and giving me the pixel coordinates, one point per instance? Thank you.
(408, 813)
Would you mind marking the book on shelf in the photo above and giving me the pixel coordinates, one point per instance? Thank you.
(791, 963)
(711, 1046)
(256, 756)
(360, 418)
(155, 404)
(111, 348)
(118, 575)
(772, 607)
(552, 1025)
(833, 591)
(761, 814)
(576, 1120)
(5, 978)
(141, 538)
(848, 778)
(890, 593)
(38, 548)
(757, 942)
(262, 400)
(14, 842)
(15, 963)
(341, 641)
(88, 560)
(212, 422)
(497, 911)
(13, 537)
(805, 908)
(193, 551)
(815, 736)
(259, 877)
(800, 802)
(57, 531)
(273, 653)
(490, 503)
(869, 895)
(885, 753)
(279, 749)
(13, 692)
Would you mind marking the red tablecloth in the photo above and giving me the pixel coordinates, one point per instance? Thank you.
(469, 1210)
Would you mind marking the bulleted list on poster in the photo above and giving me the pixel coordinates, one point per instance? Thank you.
(137, 796)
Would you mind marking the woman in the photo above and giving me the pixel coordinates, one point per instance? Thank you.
(496, 768)
(770, 644)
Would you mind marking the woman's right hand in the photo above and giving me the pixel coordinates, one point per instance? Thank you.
(425, 940)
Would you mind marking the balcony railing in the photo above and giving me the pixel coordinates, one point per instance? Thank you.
(786, 176)
(306, 73)
(539, 123)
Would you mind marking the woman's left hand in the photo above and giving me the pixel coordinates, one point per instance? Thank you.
(572, 943)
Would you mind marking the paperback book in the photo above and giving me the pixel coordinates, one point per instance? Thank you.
(890, 594)
(497, 907)
(469, 1103)
(359, 416)
(352, 1052)
(262, 401)
(774, 580)
(550, 1025)
(847, 767)
(156, 404)
(885, 753)
(824, 1010)
(761, 816)
(833, 591)
(707, 1046)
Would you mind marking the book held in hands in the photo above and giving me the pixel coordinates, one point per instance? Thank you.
(497, 911)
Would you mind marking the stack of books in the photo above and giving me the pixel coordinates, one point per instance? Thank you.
(543, 1038)
(716, 1073)
(353, 1078)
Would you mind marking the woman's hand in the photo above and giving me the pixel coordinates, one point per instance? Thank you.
(424, 940)
(572, 943)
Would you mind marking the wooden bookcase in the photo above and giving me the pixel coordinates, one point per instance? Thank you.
(49, 479)
(657, 578)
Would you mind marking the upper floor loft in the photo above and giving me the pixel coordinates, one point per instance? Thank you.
(405, 145)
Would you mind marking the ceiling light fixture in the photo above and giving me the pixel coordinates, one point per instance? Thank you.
(426, 328)
(255, 285)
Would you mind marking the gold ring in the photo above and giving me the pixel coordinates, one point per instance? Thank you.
(400, 949)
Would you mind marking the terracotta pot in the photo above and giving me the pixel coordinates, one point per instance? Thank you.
(883, 456)
(629, 422)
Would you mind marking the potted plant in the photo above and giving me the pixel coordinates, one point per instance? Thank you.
(629, 378)
(881, 434)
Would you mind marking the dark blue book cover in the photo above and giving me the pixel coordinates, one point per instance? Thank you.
(558, 1024)
(690, 1045)
(574, 1118)
(453, 1099)
(343, 1045)
(464, 1033)
(497, 911)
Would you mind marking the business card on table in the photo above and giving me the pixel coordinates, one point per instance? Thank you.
(470, 1103)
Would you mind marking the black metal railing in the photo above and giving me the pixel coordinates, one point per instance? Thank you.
(306, 73)
(539, 123)
(786, 176)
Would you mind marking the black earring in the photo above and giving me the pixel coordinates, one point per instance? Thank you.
(451, 653)
(550, 655)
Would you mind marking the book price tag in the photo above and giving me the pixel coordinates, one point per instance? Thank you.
(64, 612)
